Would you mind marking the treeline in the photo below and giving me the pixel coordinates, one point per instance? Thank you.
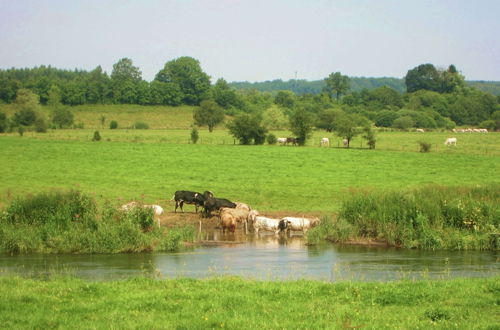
(357, 85)
(434, 99)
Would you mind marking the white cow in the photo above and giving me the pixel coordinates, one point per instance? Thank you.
(345, 142)
(157, 209)
(325, 142)
(269, 224)
(281, 141)
(420, 130)
(451, 141)
(300, 224)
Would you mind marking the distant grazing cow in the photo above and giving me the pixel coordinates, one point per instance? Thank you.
(325, 142)
(282, 141)
(345, 142)
(300, 224)
(451, 141)
(190, 197)
(420, 130)
(291, 140)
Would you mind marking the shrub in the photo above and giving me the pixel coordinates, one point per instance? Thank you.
(271, 139)
(141, 125)
(424, 146)
(144, 217)
(113, 124)
(62, 117)
(97, 136)
(41, 125)
(194, 135)
(3, 122)
(403, 123)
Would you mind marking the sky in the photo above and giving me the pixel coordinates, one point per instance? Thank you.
(254, 40)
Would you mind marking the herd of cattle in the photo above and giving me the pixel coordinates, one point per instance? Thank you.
(232, 213)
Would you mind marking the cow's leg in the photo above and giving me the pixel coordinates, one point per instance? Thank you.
(182, 204)
(176, 205)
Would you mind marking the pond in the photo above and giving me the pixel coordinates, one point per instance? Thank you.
(266, 257)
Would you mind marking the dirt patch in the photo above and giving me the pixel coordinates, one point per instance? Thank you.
(172, 219)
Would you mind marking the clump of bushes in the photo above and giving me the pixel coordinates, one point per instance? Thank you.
(141, 125)
(271, 139)
(194, 135)
(432, 217)
(97, 136)
(424, 146)
(70, 222)
(113, 124)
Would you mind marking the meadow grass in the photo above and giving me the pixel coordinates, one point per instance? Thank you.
(235, 303)
(431, 217)
(266, 177)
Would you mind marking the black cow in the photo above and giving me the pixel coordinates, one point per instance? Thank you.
(291, 140)
(215, 204)
(190, 197)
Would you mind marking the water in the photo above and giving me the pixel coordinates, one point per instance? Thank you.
(264, 258)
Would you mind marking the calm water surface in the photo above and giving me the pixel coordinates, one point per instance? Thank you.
(264, 258)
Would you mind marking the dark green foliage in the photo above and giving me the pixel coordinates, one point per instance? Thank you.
(271, 139)
(97, 136)
(40, 125)
(285, 99)
(186, 73)
(247, 129)
(301, 124)
(430, 218)
(3, 122)
(113, 124)
(194, 135)
(424, 146)
(141, 125)
(62, 117)
(208, 114)
(337, 84)
(369, 136)
(386, 118)
(404, 123)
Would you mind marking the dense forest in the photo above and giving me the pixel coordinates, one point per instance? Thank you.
(426, 98)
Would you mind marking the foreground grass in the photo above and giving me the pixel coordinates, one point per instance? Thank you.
(235, 303)
(266, 177)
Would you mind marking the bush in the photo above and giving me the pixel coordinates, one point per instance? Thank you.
(194, 135)
(62, 117)
(403, 123)
(141, 125)
(40, 125)
(113, 124)
(3, 122)
(424, 146)
(271, 139)
(97, 136)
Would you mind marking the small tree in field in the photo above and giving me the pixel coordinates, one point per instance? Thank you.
(247, 128)
(209, 113)
(113, 124)
(370, 137)
(97, 136)
(194, 135)
(301, 124)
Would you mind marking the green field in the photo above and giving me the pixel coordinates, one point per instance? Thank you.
(234, 303)
(266, 177)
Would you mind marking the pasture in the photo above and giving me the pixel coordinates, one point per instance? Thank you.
(267, 177)
(234, 303)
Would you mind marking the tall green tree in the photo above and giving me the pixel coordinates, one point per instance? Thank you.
(186, 73)
(125, 79)
(208, 114)
(337, 84)
(424, 76)
(348, 126)
(28, 106)
(301, 124)
(247, 128)
(225, 95)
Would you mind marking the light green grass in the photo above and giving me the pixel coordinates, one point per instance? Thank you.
(266, 177)
(235, 303)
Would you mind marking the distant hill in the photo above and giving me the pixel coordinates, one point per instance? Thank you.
(301, 86)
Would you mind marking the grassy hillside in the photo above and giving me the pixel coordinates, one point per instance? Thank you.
(157, 117)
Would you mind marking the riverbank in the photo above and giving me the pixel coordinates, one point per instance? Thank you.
(234, 303)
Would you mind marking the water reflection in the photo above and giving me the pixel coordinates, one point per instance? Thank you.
(265, 257)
